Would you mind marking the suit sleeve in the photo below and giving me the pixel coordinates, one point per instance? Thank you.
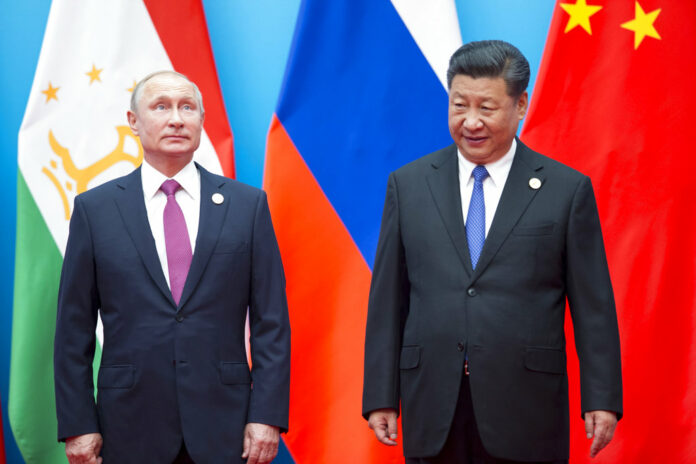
(592, 307)
(78, 304)
(269, 326)
(387, 310)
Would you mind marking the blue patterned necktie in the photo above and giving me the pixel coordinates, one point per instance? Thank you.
(476, 217)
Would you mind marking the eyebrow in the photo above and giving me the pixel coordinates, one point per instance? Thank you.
(163, 96)
(482, 97)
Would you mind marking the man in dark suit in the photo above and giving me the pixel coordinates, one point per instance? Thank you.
(171, 256)
(481, 244)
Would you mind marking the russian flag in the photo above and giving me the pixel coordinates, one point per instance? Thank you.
(364, 93)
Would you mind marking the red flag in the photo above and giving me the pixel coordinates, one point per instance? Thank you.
(615, 99)
(191, 54)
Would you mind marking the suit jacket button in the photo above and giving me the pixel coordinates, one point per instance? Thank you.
(460, 346)
(471, 291)
(179, 318)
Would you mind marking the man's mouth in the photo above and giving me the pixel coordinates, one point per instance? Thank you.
(475, 140)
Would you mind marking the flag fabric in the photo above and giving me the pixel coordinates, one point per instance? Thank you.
(615, 99)
(363, 94)
(75, 136)
(2, 441)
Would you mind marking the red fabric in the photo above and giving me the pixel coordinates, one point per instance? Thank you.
(184, 34)
(625, 116)
(328, 283)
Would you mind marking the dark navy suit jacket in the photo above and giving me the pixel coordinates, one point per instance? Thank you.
(428, 308)
(170, 373)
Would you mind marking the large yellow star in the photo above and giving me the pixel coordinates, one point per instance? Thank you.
(94, 74)
(642, 25)
(580, 13)
(51, 92)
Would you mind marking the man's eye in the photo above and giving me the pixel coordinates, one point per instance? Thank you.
(187, 107)
(159, 107)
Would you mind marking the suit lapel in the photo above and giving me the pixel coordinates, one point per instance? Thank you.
(516, 196)
(210, 222)
(443, 181)
(131, 205)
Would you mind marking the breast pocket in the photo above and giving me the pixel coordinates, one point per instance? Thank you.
(540, 229)
(231, 246)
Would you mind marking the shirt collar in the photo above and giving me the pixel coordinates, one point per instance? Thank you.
(497, 170)
(187, 177)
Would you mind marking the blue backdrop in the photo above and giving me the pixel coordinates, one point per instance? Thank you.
(251, 42)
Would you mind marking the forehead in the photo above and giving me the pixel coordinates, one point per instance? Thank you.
(493, 87)
(167, 86)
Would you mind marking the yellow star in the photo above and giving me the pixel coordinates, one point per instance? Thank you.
(94, 74)
(642, 25)
(51, 92)
(580, 13)
(131, 89)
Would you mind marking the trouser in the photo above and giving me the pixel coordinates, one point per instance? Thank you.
(463, 445)
(183, 457)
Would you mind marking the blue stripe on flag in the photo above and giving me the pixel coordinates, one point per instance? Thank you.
(359, 100)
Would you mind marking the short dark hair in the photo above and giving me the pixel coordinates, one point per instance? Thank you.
(491, 58)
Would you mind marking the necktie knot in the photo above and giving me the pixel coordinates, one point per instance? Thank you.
(480, 173)
(170, 186)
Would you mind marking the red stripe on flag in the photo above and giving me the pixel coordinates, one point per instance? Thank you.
(327, 286)
(184, 34)
(622, 112)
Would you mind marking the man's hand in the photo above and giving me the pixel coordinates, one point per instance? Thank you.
(260, 443)
(84, 449)
(600, 425)
(383, 422)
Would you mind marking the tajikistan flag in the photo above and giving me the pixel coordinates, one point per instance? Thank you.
(75, 136)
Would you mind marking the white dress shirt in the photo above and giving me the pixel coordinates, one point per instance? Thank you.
(188, 197)
(492, 185)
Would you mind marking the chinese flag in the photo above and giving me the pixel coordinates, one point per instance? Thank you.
(616, 99)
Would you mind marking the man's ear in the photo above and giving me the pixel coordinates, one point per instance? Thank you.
(132, 120)
(522, 104)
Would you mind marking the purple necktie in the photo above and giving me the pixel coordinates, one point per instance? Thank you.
(176, 240)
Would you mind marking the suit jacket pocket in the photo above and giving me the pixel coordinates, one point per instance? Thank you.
(410, 357)
(547, 360)
(120, 376)
(235, 373)
(541, 229)
(231, 246)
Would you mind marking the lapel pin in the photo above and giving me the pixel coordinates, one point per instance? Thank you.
(534, 183)
(218, 198)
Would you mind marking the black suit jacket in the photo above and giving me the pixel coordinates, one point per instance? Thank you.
(171, 372)
(428, 309)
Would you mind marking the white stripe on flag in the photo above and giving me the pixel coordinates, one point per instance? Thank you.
(435, 28)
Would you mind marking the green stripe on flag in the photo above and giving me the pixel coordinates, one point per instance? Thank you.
(31, 407)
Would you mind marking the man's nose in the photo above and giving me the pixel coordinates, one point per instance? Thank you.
(472, 121)
(175, 118)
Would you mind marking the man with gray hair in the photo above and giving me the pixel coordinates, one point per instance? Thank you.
(481, 245)
(171, 257)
